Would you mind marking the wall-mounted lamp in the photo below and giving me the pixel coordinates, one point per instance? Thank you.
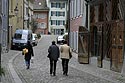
(16, 10)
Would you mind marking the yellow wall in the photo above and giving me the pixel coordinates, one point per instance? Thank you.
(15, 21)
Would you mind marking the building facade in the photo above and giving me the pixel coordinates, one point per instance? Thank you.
(20, 14)
(102, 35)
(40, 17)
(57, 16)
(15, 17)
(107, 27)
(4, 25)
(28, 14)
(78, 18)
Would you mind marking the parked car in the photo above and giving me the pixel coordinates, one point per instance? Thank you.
(34, 39)
(61, 38)
(20, 39)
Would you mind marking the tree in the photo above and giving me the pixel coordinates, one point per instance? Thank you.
(34, 25)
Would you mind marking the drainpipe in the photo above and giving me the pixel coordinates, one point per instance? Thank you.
(123, 69)
(8, 36)
(0, 51)
(87, 14)
(28, 16)
(68, 22)
(23, 14)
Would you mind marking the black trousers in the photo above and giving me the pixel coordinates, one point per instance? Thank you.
(53, 66)
(27, 62)
(65, 65)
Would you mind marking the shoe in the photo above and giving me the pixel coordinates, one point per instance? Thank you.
(66, 74)
(54, 74)
(50, 74)
(28, 67)
(63, 73)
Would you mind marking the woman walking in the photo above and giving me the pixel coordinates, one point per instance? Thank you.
(28, 52)
(66, 54)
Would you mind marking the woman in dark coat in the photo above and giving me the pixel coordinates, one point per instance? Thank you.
(29, 54)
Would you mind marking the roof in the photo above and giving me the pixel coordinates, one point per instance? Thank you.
(58, 0)
(40, 4)
(95, 2)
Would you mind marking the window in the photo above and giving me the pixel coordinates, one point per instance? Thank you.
(43, 16)
(42, 25)
(61, 13)
(53, 22)
(57, 22)
(57, 5)
(53, 5)
(57, 13)
(53, 13)
(17, 36)
(62, 5)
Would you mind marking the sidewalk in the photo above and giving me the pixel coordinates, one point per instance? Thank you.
(96, 71)
(6, 62)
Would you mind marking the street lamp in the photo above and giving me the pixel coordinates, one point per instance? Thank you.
(28, 20)
(16, 14)
(16, 10)
(68, 23)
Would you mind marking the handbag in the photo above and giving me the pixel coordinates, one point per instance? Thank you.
(25, 50)
(70, 54)
(32, 58)
(48, 55)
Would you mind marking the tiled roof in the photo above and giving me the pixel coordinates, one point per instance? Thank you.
(40, 4)
(58, 0)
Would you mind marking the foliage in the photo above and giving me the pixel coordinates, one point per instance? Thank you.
(2, 72)
(34, 25)
(39, 36)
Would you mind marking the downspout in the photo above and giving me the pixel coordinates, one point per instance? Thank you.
(68, 22)
(23, 14)
(87, 14)
(8, 37)
(123, 69)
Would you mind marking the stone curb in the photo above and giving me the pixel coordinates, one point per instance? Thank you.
(12, 71)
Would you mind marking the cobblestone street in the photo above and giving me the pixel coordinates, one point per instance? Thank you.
(39, 70)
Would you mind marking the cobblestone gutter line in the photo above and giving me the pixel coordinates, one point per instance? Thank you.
(13, 72)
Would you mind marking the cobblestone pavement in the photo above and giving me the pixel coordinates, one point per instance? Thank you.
(39, 71)
(5, 57)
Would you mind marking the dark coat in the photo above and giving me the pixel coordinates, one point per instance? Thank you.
(30, 52)
(53, 52)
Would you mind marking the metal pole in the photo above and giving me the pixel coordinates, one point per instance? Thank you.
(123, 69)
(28, 16)
(87, 14)
(8, 37)
(0, 51)
(68, 22)
(23, 14)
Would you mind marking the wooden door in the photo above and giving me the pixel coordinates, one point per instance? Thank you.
(83, 46)
(117, 47)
